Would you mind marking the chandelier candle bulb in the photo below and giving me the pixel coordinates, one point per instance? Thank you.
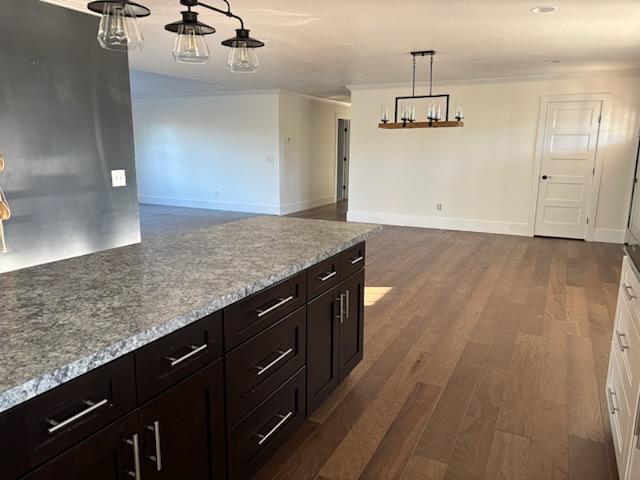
(385, 114)
(413, 113)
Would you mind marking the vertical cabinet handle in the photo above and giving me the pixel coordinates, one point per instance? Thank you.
(136, 457)
(637, 428)
(281, 302)
(623, 345)
(283, 420)
(612, 404)
(347, 301)
(158, 456)
(340, 315)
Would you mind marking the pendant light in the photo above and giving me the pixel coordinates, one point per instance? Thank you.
(243, 57)
(434, 113)
(190, 45)
(119, 29)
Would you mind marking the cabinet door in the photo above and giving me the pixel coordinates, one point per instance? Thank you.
(182, 430)
(352, 323)
(107, 455)
(322, 347)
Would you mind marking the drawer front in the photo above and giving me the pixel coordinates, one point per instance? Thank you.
(47, 425)
(249, 316)
(256, 368)
(256, 437)
(352, 259)
(630, 287)
(323, 276)
(626, 346)
(172, 358)
(619, 414)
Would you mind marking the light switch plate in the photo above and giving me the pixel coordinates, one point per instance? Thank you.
(118, 178)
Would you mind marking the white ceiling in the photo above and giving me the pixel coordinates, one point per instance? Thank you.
(318, 48)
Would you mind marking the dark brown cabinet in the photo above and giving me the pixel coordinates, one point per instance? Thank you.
(107, 455)
(335, 322)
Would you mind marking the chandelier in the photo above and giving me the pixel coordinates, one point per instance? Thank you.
(119, 30)
(406, 109)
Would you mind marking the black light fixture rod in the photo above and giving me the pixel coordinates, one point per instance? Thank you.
(227, 13)
(414, 76)
(431, 77)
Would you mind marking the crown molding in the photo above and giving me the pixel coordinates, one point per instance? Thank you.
(159, 95)
(316, 99)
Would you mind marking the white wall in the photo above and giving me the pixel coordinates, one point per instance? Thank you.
(207, 151)
(308, 151)
(482, 173)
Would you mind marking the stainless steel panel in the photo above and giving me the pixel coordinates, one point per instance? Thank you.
(65, 123)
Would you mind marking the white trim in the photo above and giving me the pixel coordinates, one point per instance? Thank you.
(208, 205)
(306, 205)
(608, 235)
(204, 93)
(592, 207)
(443, 223)
(316, 99)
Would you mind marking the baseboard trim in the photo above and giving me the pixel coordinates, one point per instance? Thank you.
(608, 235)
(306, 205)
(208, 205)
(441, 223)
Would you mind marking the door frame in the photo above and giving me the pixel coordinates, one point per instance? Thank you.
(603, 132)
(338, 117)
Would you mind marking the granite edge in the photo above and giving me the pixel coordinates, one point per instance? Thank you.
(26, 391)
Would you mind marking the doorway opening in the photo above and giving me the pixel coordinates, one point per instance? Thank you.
(342, 169)
(568, 175)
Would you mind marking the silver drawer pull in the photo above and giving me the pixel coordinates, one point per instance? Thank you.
(637, 428)
(194, 351)
(612, 404)
(136, 457)
(60, 425)
(158, 456)
(283, 301)
(623, 346)
(283, 419)
(327, 276)
(357, 260)
(262, 370)
(628, 290)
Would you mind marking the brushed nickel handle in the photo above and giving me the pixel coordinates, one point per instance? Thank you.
(261, 369)
(158, 456)
(194, 351)
(283, 301)
(136, 457)
(620, 336)
(283, 419)
(628, 290)
(357, 260)
(340, 316)
(347, 301)
(637, 429)
(327, 276)
(612, 404)
(56, 425)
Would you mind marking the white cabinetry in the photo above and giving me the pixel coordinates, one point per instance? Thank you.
(623, 380)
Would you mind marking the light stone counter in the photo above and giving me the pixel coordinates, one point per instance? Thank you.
(61, 320)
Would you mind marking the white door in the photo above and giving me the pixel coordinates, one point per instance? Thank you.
(568, 167)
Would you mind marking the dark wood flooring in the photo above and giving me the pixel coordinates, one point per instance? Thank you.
(485, 358)
(333, 211)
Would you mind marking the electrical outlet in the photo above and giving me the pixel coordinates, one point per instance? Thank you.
(438, 207)
(118, 178)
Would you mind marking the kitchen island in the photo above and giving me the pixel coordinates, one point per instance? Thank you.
(247, 315)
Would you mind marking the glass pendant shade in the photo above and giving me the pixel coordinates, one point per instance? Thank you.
(189, 46)
(243, 59)
(119, 29)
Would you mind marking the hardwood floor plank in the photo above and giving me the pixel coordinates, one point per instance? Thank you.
(394, 451)
(420, 468)
(577, 313)
(473, 444)
(509, 457)
(587, 459)
(548, 457)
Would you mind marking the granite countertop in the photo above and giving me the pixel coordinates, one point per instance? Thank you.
(61, 320)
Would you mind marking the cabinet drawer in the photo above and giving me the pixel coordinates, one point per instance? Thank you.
(630, 287)
(352, 259)
(256, 368)
(249, 316)
(619, 414)
(37, 430)
(176, 356)
(626, 346)
(323, 276)
(254, 439)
